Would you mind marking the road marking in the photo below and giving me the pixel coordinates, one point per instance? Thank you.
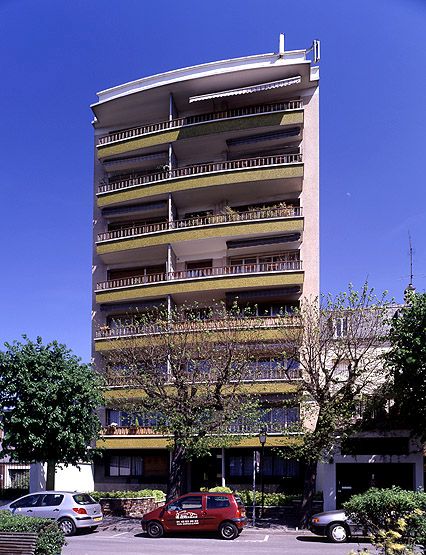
(265, 539)
(116, 535)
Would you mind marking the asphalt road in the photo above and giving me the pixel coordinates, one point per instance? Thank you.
(258, 542)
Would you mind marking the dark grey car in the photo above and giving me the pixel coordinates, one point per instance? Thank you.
(72, 510)
(335, 525)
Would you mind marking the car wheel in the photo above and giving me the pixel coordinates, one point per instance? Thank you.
(337, 533)
(154, 529)
(228, 531)
(93, 528)
(67, 526)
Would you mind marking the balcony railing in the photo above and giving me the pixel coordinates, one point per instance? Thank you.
(127, 134)
(256, 372)
(198, 169)
(262, 267)
(250, 215)
(211, 324)
(237, 428)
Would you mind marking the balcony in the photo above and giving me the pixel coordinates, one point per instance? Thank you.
(198, 326)
(226, 278)
(252, 222)
(201, 175)
(216, 219)
(235, 119)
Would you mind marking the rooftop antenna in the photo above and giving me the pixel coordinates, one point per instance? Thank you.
(410, 289)
(281, 46)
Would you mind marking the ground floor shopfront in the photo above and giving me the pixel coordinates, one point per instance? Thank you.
(231, 467)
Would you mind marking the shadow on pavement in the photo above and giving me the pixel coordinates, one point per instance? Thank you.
(323, 539)
(183, 535)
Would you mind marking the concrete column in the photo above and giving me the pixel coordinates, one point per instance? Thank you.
(223, 469)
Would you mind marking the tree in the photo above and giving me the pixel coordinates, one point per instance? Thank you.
(185, 372)
(48, 403)
(407, 360)
(338, 348)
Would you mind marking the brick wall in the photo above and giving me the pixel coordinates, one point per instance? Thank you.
(131, 508)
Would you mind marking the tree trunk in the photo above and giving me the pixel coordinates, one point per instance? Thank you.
(175, 482)
(308, 493)
(50, 477)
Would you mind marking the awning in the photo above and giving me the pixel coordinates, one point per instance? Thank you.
(251, 89)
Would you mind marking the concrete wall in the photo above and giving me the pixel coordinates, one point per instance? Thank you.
(68, 478)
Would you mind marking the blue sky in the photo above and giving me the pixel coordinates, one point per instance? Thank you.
(55, 55)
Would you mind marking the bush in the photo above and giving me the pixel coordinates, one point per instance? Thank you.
(270, 499)
(50, 537)
(394, 517)
(220, 489)
(156, 493)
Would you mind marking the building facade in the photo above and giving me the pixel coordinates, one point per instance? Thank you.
(206, 189)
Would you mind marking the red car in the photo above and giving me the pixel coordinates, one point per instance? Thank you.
(200, 511)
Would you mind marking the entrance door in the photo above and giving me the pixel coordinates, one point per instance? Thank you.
(356, 478)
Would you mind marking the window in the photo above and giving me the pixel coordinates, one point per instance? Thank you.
(123, 465)
(51, 500)
(340, 327)
(241, 466)
(83, 499)
(217, 502)
(122, 418)
(190, 502)
(27, 501)
(279, 418)
(274, 465)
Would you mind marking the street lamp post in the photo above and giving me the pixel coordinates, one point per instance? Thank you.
(262, 439)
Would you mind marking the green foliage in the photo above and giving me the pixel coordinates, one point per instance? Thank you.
(48, 402)
(407, 359)
(270, 499)
(220, 489)
(394, 517)
(50, 537)
(158, 494)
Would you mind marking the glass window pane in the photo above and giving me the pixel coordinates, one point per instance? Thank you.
(114, 466)
(137, 466)
(192, 502)
(124, 466)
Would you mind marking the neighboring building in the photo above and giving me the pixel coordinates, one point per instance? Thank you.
(206, 189)
(13, 475)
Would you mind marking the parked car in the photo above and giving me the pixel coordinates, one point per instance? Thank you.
(201, 512)
(72, 510)
(335, 525)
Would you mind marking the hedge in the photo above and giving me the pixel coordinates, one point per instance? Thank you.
(156, 493)
(393, 516)
(50, 537)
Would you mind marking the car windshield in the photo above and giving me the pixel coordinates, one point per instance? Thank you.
(83, 499)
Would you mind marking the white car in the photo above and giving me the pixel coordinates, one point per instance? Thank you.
(72, 510)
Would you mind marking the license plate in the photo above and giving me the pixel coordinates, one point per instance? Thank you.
(97, 518)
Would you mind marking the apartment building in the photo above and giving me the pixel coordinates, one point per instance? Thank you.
(206, 189)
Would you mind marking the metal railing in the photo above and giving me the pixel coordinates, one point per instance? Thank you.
(197, 169)
(134, 132)
(239, 427)
(232, 216)
(270, 427)
(261, 267)
(210, 324)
